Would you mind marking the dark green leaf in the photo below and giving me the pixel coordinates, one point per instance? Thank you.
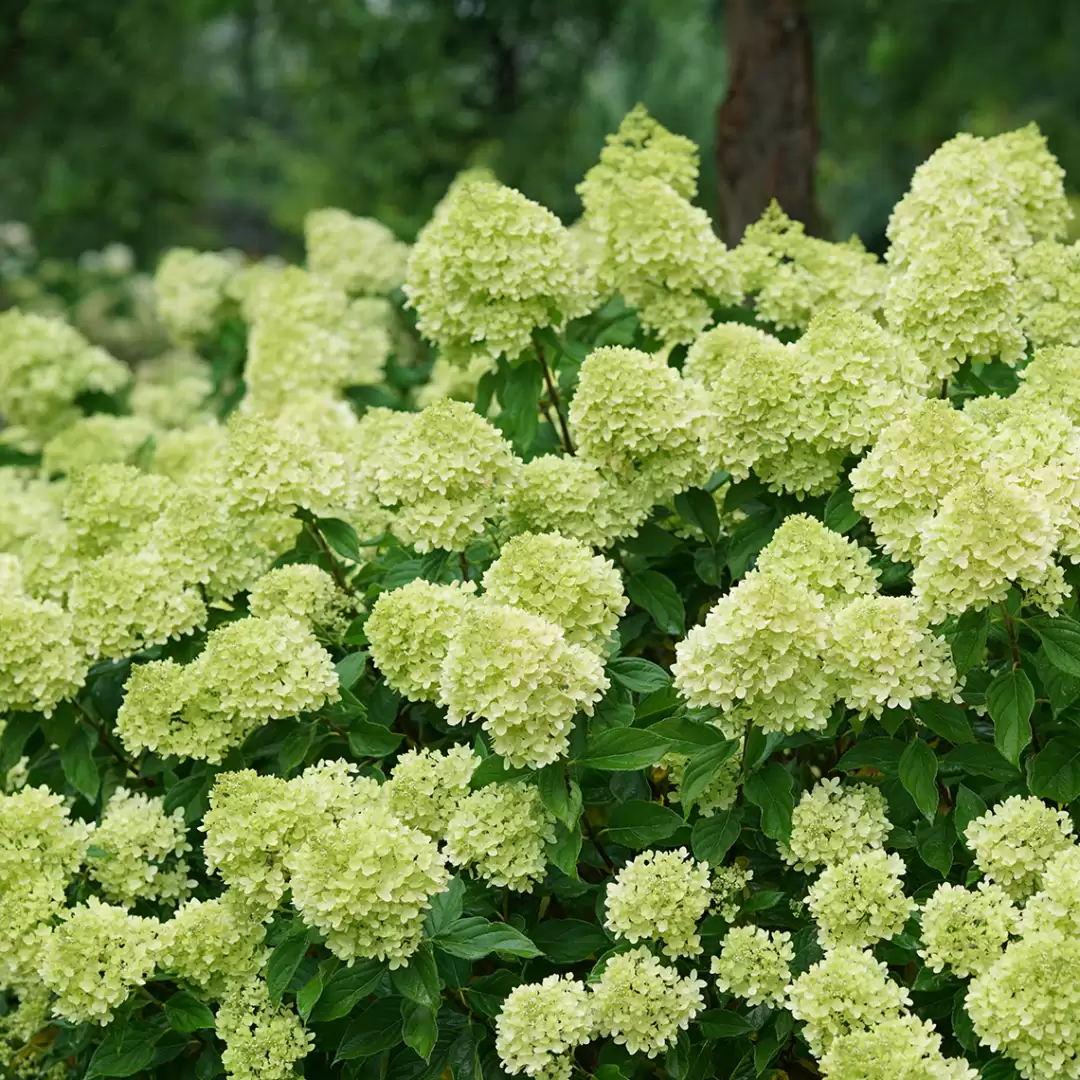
(935, 841)
(687, 736)
(345, 989)
(1010, 698)
(494, 769)
(446, 907)
(569, 941)
(1054, 772)
(980, 759)
(77, 760)
(918, 773)
(191, 793)
(656, 594)
(1060, 640)
(701, 769)
(519, 400)
(19, 728)
(475, 938)
(840, 515)
(367, 739)
(561, 798)
(419, 980)
(1062, 690)
(713, 837)
(749, 538)
(351, 668)
(125, 1050)
(969, 806)
(697, 508)
(341, 536)
(295, 747)
(770, 789)
(622, 749)
(945, 719)
(968, 639)
(283, 962)
(639, 824)
(185, 1012)
(419, 1028)
(709, 564)
(881, 754)
(308, 995)
(566, 850)
(723, 1024)
(376, 1029)
(640, 676)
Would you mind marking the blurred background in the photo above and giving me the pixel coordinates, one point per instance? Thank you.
(219, 123)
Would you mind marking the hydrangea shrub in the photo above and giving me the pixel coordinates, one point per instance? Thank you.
(556, 651)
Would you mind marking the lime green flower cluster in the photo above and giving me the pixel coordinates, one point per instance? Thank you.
(192, 292)
(755, 965)
(360, 256)
(263, 1041)
(541, 1024)
(305, 593)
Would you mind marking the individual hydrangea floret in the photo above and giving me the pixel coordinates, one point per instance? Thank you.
(425, 786)
(410, 630)
(831, 823)
(190, 287)
(562, 580)
(141, 850)
(1015, 841)
(883, 655)
(754, 964)
(95, 958)
(263, 1041)
(846, 991)
(966, 929)
(760, 649)
(303, 592)
(446, 477)
(517, 672)
(721, 791)
(366, 883)
(860, 900)
(660, 896)
(359, 255)
(501, 833)
(899, 1048)
(642, 1003)
(540, 1025)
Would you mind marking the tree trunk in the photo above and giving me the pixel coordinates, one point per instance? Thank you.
(767, 127)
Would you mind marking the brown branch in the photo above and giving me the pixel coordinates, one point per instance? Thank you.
(324, 547)
(553, 395)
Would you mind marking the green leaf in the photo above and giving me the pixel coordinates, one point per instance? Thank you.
(125, 1050)
(308, 995)
(376, 1029)
(283, 962)
(640, 676)
(565, 851)
(622, 749)
(351, 668)
(1054, 772)
(419, 981)
(881, 754)
(657, 595)
(367, 739)
(191, 793)
(185, 1012)
(968, 639)
(519, 401)
(569, 941)
(474, 938)
(495, 769)
(709, 563)
(697, 508)
(341, 536)
(723, 1024)
(687, 736)
(419, 1028)
(935, 841)
(562, 800)
(980, 759)
(345, 989)
(77, 761)
(840, 515)
(918, 774)
(1061, 689)
(701, 769)
(969, 806)
(19, 728)
(638, 824)
(446, 907)
(1010, 699)
(1060, 640)
(945, 719)
(295, 747)
(713, 837)
(770, 789)
(749, 538)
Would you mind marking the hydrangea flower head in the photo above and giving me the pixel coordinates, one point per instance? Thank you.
(831, 823)
(754, 964)
(540, 1024)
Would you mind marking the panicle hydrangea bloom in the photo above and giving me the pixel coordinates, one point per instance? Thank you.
(562, 580)
(45, 366)
(517, 672)
(728, 886)
(189, 455)
(643, 1004)
(918, 460)
(1056, 906)
(819, 558)
(357, 254)
(305, 593)
(328, 792)
(1053, 376)
(660, 896)
(451, 380)
(190, 288)
(710, 353)
(987, 534)
(447, 475)
(1014, 842)
(425, 786)
(791, 276)
(1048, 281)
(488, 269)
(1041, 201)
(143, 850)
(171, 391)
(760, 649)
(955, 301)
(846, 991)
(882, 655)
(95, 958)
(755, 965)
(1026, 1006)
(635, 415)
(111, 506)
(501, 833)
(98, 439)
(721, 792)
(831, 823)
(573, 497)
(540, 1024)
(860, 900)
(409, 632)
(216, 943)
(899, 1048)
(366, 882)
(263, 1041)
(966, 929)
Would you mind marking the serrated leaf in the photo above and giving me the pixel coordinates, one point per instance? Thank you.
(968, 639)
(935, 841)
(770, 790)
(945, 719)
(295, 747)
(980, 759)
(639, 824)
(1010, 699)
(656, 594)
(562, 798)
(723, 1024)
(1054, 772)
(687, 736)
(419, 980)
(350, 669)
(840, 515)
(474, 938)
(710, 563)
(969, 806)
(623, 749)
(918, 773)
(714, 836)
(127, 1048)
(565, 851)
(308, 995)
(446, 907)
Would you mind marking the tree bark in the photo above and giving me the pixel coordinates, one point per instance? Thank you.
(767, 125)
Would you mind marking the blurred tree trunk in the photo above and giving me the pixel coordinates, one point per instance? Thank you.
(767, 124)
